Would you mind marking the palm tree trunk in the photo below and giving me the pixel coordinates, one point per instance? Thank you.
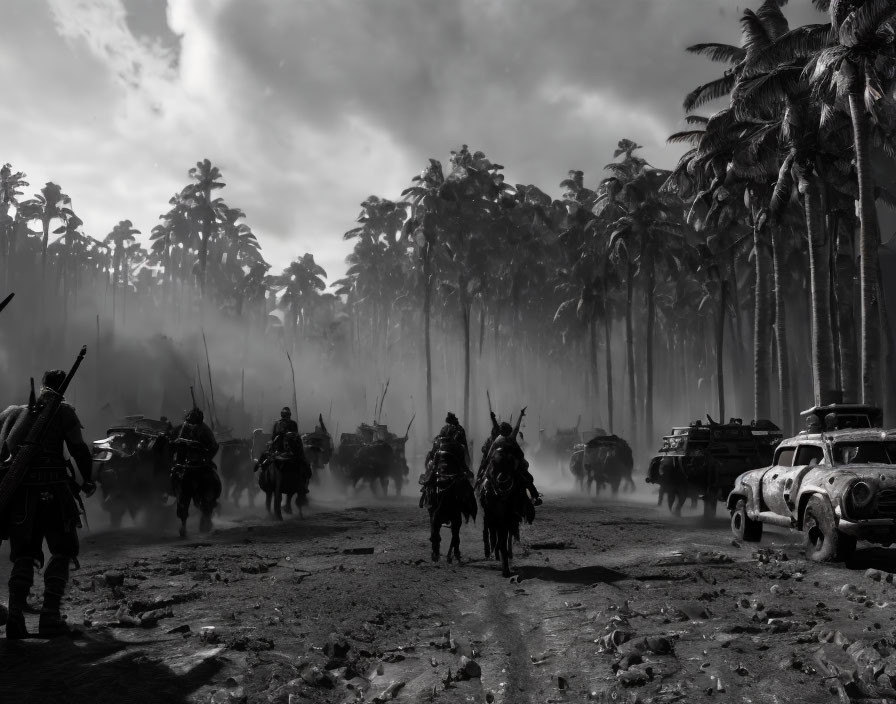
(466, 313)
(720, 341)
(651, 318)
(427, 315)
(630, 353)
(592, 331)
(784, 391)
(609, 360)
(824, 377)
(844, 295)
(869, 241)
(761, 341)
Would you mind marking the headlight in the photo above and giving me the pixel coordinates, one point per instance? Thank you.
(861, 494)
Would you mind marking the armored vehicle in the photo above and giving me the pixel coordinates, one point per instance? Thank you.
(131, 466)
(702, 460)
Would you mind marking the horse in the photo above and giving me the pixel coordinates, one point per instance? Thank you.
(399, 469)
(449, 497)
(318, 449)
(608, 460)
(284, 471)
(503, 500)
(236, 468)
(195, 481)
(669, 473)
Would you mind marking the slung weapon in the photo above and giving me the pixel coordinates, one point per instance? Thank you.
(42, 413)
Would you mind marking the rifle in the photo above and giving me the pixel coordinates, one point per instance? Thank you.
(193, 398)
(491, 413)
(519, 421)
(42, 414)
(5, 301)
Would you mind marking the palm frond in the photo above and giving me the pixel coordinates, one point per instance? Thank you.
(688, 137)
(725, 53)
(800, 43)
(861, 25)
(769, 13)
(709, 91)
(765, 94)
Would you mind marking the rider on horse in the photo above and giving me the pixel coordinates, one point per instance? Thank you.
(506, 442)
(285, 425)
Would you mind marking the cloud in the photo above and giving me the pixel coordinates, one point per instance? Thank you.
(310, 107)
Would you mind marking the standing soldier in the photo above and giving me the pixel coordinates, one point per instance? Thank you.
(43, 505)
(194, 477)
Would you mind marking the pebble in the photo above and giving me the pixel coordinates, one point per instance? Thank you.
(113, 578)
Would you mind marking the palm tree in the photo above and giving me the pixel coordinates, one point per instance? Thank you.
(121, 238)
(46, 206)
(200, 193)
(857, 67)
(10, 185)
(301, 282)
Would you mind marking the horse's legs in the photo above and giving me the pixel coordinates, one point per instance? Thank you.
(384, 483)
(504, 542)
(485, 541)
(435, 537)
(278, 496)
(455, 537)
(679, 503)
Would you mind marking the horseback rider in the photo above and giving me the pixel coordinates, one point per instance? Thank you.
(487, 446)
(506, 441)
(285, 425)
(43, 508)
(452, 441)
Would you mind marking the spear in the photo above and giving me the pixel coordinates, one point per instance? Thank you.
(211, 418)
(211, 388)
(383, 398)
(295, 396)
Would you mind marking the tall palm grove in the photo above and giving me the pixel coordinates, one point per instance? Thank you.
(745, 281)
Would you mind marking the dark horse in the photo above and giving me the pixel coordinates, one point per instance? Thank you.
(503, 500)
(236, 470)
(285, 472)
(195, 481)
(449, 497)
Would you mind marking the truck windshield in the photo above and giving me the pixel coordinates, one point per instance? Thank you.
(867, 452)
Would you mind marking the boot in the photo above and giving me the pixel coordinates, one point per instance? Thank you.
(20, 579)
(52, 623)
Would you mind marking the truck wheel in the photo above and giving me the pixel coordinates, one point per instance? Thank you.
(820, 527)
(744, 527)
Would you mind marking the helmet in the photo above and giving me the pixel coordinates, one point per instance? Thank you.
(451, 419)
(505, 429)
(194, 415)
(285, 412)
(53, 379)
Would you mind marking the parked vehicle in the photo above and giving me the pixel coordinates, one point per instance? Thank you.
(835, 482)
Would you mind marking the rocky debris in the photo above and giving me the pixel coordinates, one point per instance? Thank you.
(242, 643)
(113, 578)
(316, 676)
(551, 545)
(164, 600)
(390, 693)
(230, 696)
(765, 556)
(470, 669)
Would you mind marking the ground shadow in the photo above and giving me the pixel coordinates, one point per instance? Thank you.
(95, 670)
(877, 558)
(591, 574)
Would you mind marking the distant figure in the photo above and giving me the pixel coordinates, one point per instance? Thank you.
(285, 425)
(194, 477)
(44, 507)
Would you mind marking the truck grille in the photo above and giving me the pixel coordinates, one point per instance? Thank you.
(886, 502)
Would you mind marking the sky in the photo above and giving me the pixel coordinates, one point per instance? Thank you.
(310, 106)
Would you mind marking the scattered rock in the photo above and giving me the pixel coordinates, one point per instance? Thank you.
(551, 545)
(874, 575)
(390, 693)
(470, 668)
(316, 677)
(229, 696)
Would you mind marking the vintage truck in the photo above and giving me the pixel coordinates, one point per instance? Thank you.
(834, 481)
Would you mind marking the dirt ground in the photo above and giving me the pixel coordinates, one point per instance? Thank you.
(612, 601)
